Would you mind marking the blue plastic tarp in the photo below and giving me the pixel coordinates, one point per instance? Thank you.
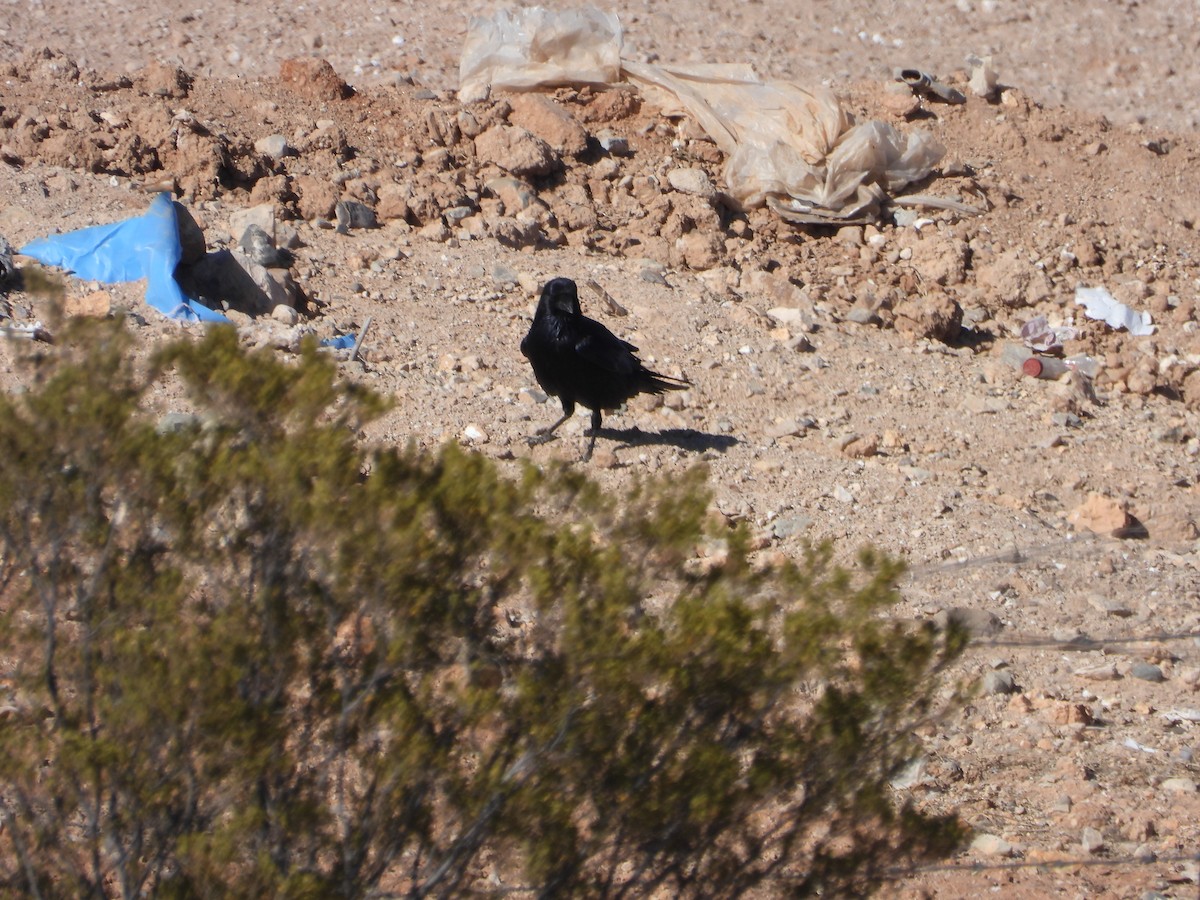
(143, 247)
(343, 342)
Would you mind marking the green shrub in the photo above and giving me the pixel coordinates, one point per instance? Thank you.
(249, 657)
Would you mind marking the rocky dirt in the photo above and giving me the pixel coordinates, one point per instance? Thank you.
(847, 383)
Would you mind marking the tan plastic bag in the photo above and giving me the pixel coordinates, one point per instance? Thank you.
(523, 49)
(793, 149)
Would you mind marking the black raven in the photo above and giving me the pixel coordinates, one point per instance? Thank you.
(580, 361)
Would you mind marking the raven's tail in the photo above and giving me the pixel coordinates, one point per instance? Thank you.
(655, 383)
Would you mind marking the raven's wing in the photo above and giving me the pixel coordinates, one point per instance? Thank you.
(600, 347)
(529, 345)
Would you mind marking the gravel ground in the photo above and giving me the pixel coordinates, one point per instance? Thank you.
(1059, 517)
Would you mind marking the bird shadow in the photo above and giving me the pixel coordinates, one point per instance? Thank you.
(683, 438)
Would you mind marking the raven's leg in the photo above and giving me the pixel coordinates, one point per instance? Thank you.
(547, 434)
(595, 431)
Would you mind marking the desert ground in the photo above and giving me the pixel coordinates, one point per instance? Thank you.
(849, 383)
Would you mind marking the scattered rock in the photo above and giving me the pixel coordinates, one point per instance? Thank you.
(473, 434)
(317, 197)
(1147, 672)
(701, 249)
(1013, 280)
(352, 214)
(863, 312)
(850, 235)
(1101, 672)
(613, 143)
(550, 122)
(1109, 606)
(1066, 420)
(162, 80)
(793, 317)
(979, 622)
(435, 231)
(46, 65)
(514, 232)
(991, 845)
(787, 428)
(313, 79)
(516, 150)
(1179, 786)
(942, 262)
(273, 145)
(516, 195)
(857, 447)
(285, 314)
(935, 316)
(262, 216)
(605, 457)
(692, 180)
(899, 99)
(1099, 514)
(790, 526)
(1001, 682)
(234, 279)
(1069, 714)
(260, 248)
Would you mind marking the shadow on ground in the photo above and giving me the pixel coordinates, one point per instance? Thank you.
(684, 438)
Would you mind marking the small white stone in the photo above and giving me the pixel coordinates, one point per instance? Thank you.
(691, 181)
(991, 845)
(1179, 786)
(273, 145)
(475, 435)
(285, 314)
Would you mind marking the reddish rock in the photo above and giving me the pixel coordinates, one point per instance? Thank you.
(314, 79)
(1013, 281)
(935, 316)
(160, 80)
(1099, 514)
(317, 197)
(393, 202)
(516, 150)
(541, 116)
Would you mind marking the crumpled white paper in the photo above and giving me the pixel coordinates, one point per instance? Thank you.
(1098, 303)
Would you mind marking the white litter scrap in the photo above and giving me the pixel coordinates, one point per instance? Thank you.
(1098, 303)
(794, 150)
(1181, 715)
(1131, 744)
(34, 331)
(1038, 335)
